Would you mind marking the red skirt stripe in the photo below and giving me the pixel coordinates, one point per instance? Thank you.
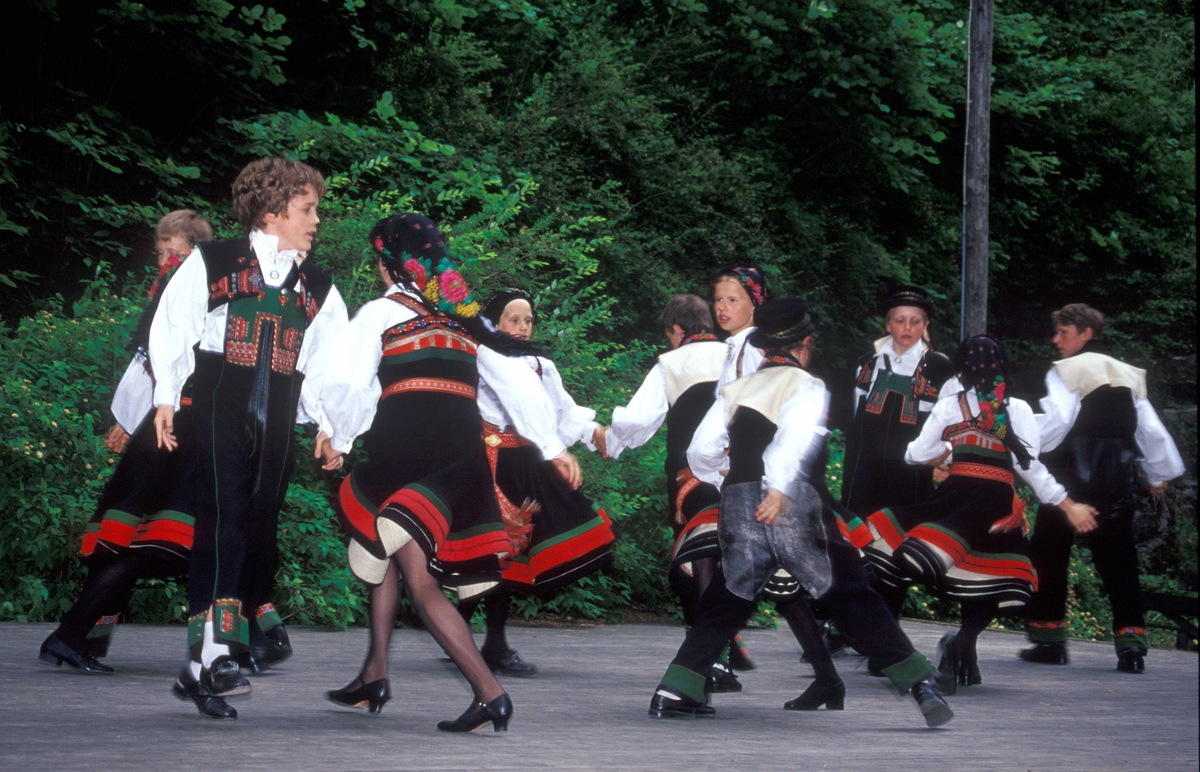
(431, 517)
(357, 512)
(115, 532)
(171, 531)
(886, 528)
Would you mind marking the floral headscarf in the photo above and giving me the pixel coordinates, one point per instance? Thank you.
(413, 249)
(983, 365)
(751, 279)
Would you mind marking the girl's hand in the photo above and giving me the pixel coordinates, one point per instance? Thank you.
(164, 427)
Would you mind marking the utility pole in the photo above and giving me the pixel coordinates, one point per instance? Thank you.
(977, 153)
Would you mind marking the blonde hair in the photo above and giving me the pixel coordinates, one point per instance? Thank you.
(186, 223)
(268, 184)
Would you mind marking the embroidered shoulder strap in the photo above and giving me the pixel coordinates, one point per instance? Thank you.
(409, 303)
(965, 407)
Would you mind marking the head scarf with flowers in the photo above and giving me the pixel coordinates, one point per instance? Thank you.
(413, 250)
(983, 365)
(752, 280)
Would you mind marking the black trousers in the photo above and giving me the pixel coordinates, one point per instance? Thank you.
(1115, 556)
(858, 610)
(243, 419)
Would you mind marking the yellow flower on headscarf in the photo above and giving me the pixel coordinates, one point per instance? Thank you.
(431, 291)
(467, 309)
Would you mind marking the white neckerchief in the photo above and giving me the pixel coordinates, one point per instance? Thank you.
(275, 263)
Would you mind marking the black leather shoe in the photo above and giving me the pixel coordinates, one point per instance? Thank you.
(226, 680)
(666, 703)
(510, 664)
(1046, 653)
(372, 696)
(499, 711)
(949, 663)
(833, 697)
(721, 680)
(1132, 660)
(248, 662)
(931, 704)
(278, 635)
(210, 706)
(55, 651)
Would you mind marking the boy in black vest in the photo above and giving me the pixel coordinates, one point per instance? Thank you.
(248, 319)
(1096, 421)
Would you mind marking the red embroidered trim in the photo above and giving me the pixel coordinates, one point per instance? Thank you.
(982, 471)
(245, 353)
(1130, 631)
(1047, 625)
(495, 437)
(398, 341)
(687, 483)
(430, 384)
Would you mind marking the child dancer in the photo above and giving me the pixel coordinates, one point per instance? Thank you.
(248, 319)
(558, 534)
(423, 507)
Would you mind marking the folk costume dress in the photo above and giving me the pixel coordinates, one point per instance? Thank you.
(969, 542)
(252, 327)
(774, 430)
(894, 394)
(406, 377)
(1096, 428)
(557, 535)
(679, 391)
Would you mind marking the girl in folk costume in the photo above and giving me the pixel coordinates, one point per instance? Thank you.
(969, 541)
(423, 507)
(765, 458)
(896, 388)
(250, 321)
(557, 533)
(678, 391)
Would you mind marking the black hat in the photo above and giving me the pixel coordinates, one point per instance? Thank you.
(493, 309)
(905, 295)
(782, 323)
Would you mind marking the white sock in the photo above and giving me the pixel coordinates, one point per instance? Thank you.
(211, 649)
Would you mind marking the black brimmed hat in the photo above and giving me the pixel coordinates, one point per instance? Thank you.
(905, 295)
(782, 323)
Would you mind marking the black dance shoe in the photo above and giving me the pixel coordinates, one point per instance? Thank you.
(372, 696)
(226, 680)
(935, 710)
(949, 664)
(1054, 653)
(1132, 660)
(248, 662)
(55, 651)
(499, 711)
(668, 704)
(721, 680)
(739, 655)
(510, 664)
(832, 696)
(210, 706)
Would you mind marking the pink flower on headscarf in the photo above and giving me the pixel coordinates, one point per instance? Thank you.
(379, 244)
(452, 286)
(416, 271)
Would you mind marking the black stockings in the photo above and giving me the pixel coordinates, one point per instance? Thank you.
(804, 626)
(106, 592)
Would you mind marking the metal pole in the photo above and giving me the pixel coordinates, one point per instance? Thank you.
(977, 152)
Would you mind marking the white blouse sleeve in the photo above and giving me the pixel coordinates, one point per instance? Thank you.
(134, 397)
(929, 445)
(1160, 458)
(524, 399)
(177, 326)
(575, 422)
(1045, 487)
(320, 340)
(706, 454)
(1060, 408)
(799, 421)
(349, 389)
(634, 425)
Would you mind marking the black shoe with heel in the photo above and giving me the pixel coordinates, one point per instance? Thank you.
(1132, 660)
(55, 651)
(225, 679)
(949, 664)
(668, 704)
(499, 711)
(1054, 653)
(832, 696)
(935, 710)
(372, 696)
(210, 706)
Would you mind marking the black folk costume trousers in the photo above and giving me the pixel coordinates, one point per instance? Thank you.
(244, 420)
(858, 610)
(1115, 556)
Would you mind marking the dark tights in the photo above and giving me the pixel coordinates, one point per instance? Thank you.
(804, 626)
(438, 615)
(106, 592)
(975, 619)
